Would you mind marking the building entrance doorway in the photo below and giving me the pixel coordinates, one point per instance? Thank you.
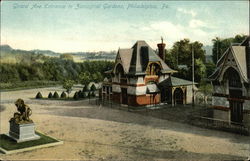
(235, 95)
(236, 111)
(124, 96)
(178, 96)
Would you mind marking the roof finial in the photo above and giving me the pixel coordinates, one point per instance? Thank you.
(161, 39)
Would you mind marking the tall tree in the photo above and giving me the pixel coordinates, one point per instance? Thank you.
(97, 77)
(68, 84)
(85, 78)
(181, 52)
(221, 45)
(67, 57)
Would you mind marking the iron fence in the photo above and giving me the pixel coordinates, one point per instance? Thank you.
(201, 118)
(223, 125)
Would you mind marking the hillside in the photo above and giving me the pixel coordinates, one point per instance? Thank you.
(8, 54)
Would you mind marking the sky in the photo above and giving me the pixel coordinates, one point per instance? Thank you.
(72, 26)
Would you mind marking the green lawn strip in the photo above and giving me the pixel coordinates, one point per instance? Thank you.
(27, 85)
(64, 99)
(9, 144)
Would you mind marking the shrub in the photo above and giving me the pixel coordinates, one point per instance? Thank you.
(209, 99)
(85, 88)
(50, 95)
(63, 95)
(39, 95)
(85, 94)
(76, 96)
(93, 88)
(55, 95)
(93, 93)
(80, 94)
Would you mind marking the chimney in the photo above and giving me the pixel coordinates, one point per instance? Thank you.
(161, 48)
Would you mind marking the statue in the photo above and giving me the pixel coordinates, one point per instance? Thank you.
(22, 128)
(23, 114)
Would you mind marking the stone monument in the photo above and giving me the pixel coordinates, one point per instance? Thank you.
(22, 128)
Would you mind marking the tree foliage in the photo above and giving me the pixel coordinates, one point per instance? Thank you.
(53, 69)
(181, 54)
(67, 57)
(220, 45)
(63, 95)
(50, 95)
(55, 95)
(76, 95)
(85, 78)
(97, 77)
(39, 95)
(93, 87)
(67, 85)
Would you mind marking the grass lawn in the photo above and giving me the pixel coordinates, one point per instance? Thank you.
(63, 99)
(9, 144)
(13, 86)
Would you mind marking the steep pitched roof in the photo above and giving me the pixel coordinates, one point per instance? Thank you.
(246, 41)
(215, 74)
(125, 55)
(240, 54)
(135, 60)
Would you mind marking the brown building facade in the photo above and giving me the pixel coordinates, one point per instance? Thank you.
(140, 77)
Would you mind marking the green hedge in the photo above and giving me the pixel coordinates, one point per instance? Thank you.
(50, 95)
(39, 95)
(55, 95)
(63, 95)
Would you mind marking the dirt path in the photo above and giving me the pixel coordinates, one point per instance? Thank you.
(93, 133)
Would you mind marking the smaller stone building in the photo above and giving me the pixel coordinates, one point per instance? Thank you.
(176, 91)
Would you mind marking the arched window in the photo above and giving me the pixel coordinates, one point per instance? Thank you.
(234, 83)
(120, 72)
(235, 95)
(233, 78)
(153, 69)
(178, 96)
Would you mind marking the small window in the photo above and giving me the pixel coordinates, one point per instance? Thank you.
(153, 69)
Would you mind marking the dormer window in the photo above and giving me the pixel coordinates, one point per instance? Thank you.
(153, 69)
(121, 75)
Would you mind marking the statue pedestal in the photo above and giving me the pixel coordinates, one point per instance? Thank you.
(22, 132)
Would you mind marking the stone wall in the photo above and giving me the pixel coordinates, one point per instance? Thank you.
(220, 101)
(189, 94)
(221, 115)
(136, 80)
(116, 88)
(246, 105)
(246, 119)
(222, 89)
(141, 90)
(143, 100)
(116, 97)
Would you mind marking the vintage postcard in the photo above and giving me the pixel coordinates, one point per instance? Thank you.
(125, 80)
